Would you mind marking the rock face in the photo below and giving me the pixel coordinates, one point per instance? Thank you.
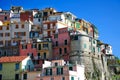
(84, 50)
(95, 65)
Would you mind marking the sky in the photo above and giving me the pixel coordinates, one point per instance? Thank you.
(105, 14)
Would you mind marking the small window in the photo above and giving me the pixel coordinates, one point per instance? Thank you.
(65, 42)
(56, 43)
(45, 45)
(85, 46)
(56, 64)
(39, 47)
(7, 28)
(70, 68)
(44, 55)
(16, 76)
(22, 26)
(72, 78)
(0, 76)
(24, 46)
(0, 66)
(5, 18)
(0, 27)
(25, 76)
(17, 66)
(65, 50)
(56, 36)
(1, 34)
(60, 50)
(39, 20)
(34, 45)
(63, 78)
(16, 26)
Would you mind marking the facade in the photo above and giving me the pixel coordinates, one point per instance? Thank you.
(15, 13)
(4, 15)
(18, 66)
(59, 70)
(61, 44)
(50, 35)
(5, 35)
(28, 49)
(44, 49)
(9, 51)
(20, 32)
(26, 16)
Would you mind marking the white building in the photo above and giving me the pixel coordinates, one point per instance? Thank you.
(60, 70)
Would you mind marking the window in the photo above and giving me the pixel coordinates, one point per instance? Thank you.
(56, 43)
(22, 26)
(60, 50)
(7, 28)
(5, 54)
(24, 46)
(7, 34)
(23, 33)
(56, 64)
(63, 78)
(85, 46)
(65, 50)
(45, 13)
(93, 41)
(39, 47)
(0, 66)
(48, 72)
(72, 78)
(1, 34)
(17, 66)
(44, 55)
(45, 45)
(39, 20)
(25, 76)
(5, 18)
(16, 27)
(0, 76)
(16, 76)
(56, 36)
(59, 71)
(1, 42)
(76, 38)
(0, 27)
(38, 54)
(70, 68)
(65, 42)
(33, 45)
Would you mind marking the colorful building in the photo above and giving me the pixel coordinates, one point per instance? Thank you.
(59, 70)
(18, 67)
(61, 44)
(4, 15)
(9, 51)
(28, 49)
(44, 49)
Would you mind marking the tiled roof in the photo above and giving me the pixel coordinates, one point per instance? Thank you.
(12, 59)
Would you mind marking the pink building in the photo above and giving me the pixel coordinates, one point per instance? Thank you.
(4, 16)
(59, 70)
(61, 44)
(28, 49)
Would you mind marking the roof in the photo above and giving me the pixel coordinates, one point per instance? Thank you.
(11, 59)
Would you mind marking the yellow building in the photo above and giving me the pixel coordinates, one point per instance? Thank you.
(44, 49)
(15, 67)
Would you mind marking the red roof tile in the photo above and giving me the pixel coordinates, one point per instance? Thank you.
(12, 59)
